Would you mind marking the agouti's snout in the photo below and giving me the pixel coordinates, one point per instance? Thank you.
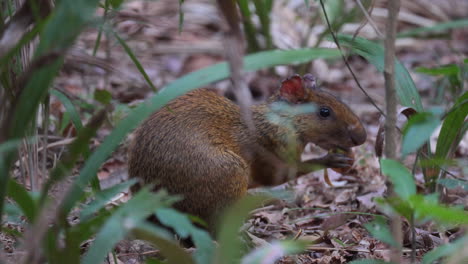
(357, 133)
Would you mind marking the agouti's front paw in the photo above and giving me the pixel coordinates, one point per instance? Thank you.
(335, 160)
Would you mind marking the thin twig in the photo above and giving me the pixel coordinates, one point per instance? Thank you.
(369, 19)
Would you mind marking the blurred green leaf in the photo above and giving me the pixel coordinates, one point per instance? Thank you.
(446, 70)
(181, 16)
(453, 183)
(25, 201)
(418, 131)
(334, 9)
(263, 8)
(400, 176)
(127, 217)
(380, 229)
(13, 214)
(374, 53)
(103, 197)
(102, 96)
(69, 107)
(228, 229)
(180, 86)
(169, 249)
(274, 251)
(402, 207)
(445, 251)
(436, 28)
(425, 207)
(451, 126)
(184, 228)
(87, 228)
(116, 3)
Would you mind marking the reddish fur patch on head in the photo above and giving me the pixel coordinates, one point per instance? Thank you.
(292, 89)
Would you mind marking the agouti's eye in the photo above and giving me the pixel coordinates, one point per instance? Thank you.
(324, 112)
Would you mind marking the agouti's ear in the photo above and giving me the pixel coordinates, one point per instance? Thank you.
(292, 89)
(309, 82)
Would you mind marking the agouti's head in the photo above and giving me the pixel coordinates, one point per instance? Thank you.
(331, 124)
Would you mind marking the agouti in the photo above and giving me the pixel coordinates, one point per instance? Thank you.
(200, 147)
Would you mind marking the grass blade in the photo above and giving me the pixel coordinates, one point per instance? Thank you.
(436, 28)
(135, 61)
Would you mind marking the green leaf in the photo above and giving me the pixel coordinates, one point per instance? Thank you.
(24, 200)
(102, 96)
(375, 54)
(334, 9)
(445, 251)
(168, 248)
(425, 207)
(180, 86)
(70, 108)
(274, 251)
(184, 228)
(451, 126)
(12, 214)
(402, 207)
(436, 28)
(129, 216)
(234, 217)
(103, 197)
(400, 176)
(453, 183)
(87, 228)
(418, 131)
(115, 3)
(381, 230)
(445, 70)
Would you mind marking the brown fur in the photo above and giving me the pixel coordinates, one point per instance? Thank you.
(199, 147)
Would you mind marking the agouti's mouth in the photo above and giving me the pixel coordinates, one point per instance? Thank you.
(339, 150)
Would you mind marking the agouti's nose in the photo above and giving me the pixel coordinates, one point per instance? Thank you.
(358, 134)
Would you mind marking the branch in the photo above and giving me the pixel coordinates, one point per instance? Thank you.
(391, 110)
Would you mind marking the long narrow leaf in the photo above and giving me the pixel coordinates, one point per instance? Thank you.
(452, 126)
(400, 176)
(230, 249)
(103, 197)
(24, 200)
(70, 108)
(137, 63)
(436, 28)
(173, 253)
